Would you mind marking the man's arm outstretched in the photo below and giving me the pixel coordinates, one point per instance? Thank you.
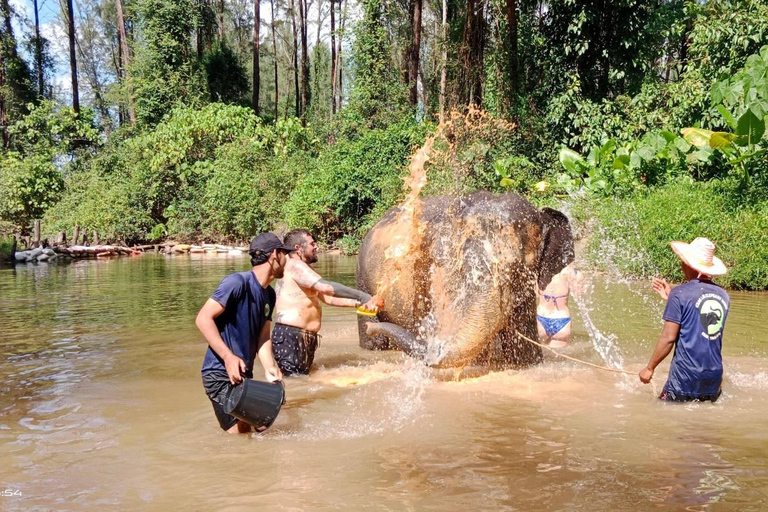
(329, 290)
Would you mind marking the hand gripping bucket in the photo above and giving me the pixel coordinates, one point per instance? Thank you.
(256, 403)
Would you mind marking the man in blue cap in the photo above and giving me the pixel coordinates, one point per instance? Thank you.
(235, 322)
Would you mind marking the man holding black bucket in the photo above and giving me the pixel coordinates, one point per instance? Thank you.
(235, 322)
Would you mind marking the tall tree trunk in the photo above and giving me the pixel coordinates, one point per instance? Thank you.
(120, 77)
(339, 62)
(274, 48)
(319, 20)
(292, 6)
(304, 60)
(512, 48)
(413, 57)
(685, 44)
(221, 20)
(256, 77)
(444, 60)
(73, 56)
(479, 51)
(199, 31)
(125, 57)
(7, 54)
(3, 94)
(333, 57)
(466, 74)
(38, 52)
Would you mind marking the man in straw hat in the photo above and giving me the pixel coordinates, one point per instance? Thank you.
(694, 320)
(235, 322)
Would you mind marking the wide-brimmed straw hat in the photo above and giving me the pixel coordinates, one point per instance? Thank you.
(700, 256)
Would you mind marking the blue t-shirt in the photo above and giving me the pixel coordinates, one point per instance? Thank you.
(700, 308)
(247, 307)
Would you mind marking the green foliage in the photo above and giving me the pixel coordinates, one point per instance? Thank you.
(614, 169)
(354, 183)
(742, 101)
(378, 96)
(164, 72)
(725, 34)
(200, 172)
(30, 175)
(28, 187)
(16, 89)
(610, 48)
(53, 130)
(633, 236)
(517, 173)
(111, 204)
(227, 78)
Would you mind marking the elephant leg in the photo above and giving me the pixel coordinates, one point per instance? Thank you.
(510, 350)
(371, 341)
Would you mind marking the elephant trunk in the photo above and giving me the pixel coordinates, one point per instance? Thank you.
(402, 338)
(477, 327)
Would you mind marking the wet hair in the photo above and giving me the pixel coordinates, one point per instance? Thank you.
(297, 237)
(259, 257)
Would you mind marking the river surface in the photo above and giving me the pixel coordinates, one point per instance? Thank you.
(102, 408)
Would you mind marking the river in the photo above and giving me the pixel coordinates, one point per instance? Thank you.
(101, 405)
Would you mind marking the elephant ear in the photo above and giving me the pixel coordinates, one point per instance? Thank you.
(557, 245)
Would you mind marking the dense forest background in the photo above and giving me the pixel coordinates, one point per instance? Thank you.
(215, 119)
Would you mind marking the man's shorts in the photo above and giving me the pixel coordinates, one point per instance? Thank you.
(217, 386)
(670, 396)
(294, 348)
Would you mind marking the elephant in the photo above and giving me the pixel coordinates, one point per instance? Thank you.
(458, 275)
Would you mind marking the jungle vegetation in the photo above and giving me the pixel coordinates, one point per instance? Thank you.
(216, 119)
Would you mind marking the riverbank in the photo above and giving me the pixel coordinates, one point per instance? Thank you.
(630, 237)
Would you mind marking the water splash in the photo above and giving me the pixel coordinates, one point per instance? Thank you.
(605, 345)
(397, 391)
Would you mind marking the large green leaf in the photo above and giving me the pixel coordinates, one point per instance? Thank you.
(621, 162)
(720, 140)
(698, 137)
(682, 145)
(729, 118)
(570, 160)
(751, 126)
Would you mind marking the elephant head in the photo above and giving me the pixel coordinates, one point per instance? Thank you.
(471, 283)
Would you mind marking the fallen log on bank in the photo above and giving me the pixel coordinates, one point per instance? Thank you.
(40, 254)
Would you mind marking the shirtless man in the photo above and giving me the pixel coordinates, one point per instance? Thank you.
(298, 310)
(552, 315)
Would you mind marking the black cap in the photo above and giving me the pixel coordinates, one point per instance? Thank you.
(266, 243)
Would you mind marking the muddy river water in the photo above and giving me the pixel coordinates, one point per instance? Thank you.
(102, 408)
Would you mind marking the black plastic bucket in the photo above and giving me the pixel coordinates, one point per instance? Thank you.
(256, 403)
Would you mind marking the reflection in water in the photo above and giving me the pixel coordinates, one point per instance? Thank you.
(102, 406)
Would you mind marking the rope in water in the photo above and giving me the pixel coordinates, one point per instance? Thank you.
(617, 370)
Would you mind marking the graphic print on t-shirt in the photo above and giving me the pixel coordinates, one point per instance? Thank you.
(712, 312)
